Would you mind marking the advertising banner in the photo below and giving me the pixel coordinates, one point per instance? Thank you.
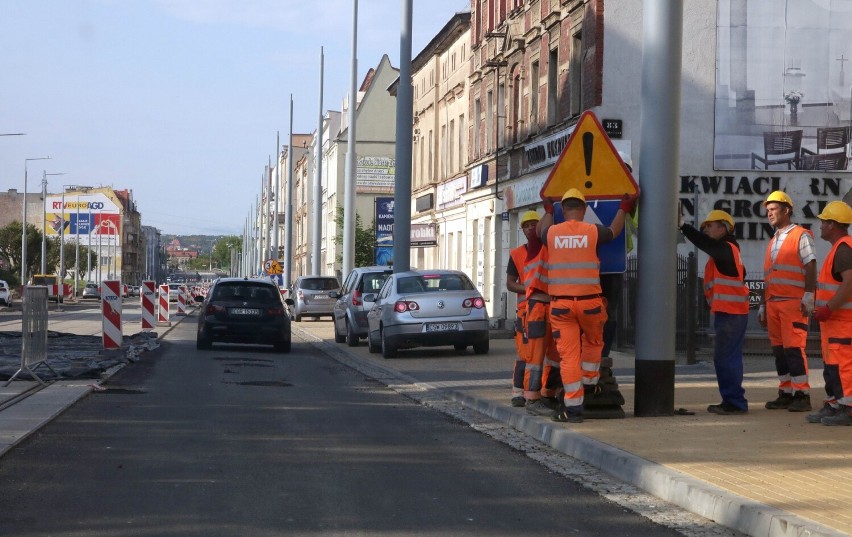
(384, 229)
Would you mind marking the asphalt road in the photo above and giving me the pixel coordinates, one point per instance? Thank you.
(245, 441)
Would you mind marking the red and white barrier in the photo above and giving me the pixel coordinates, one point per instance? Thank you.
(181, 301)
(164, 304)
(148, 295)
(111, 309)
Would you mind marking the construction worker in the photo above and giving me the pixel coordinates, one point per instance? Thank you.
(542, 381)
(515, 284)
(727, 294)
(577, 309)
(834, 313)
(789, 273)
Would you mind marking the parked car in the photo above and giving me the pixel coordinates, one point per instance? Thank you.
(5, 294)
(349, 315)
(239, 310)
(427, 308)
(91, 290)
(174, 291)
(310, 296)
(132, 290)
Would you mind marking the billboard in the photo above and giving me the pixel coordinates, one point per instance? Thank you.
(384, 212)
(783, 76)
(83, 215)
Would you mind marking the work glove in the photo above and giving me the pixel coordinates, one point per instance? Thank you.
(628, 203)
(808, 303)
(822, 313)
(761, 315)
(548, 206)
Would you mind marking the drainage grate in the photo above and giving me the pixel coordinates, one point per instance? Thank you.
(272, 383)
(120, 391)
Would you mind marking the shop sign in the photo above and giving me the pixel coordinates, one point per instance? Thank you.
(545, 151)
(479, 176)
(423, 235)
(450, 193)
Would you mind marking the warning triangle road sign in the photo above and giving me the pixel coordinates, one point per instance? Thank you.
(591, 164)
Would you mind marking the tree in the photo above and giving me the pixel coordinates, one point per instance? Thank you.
(365, 240)
(222, 250)
(10, 249)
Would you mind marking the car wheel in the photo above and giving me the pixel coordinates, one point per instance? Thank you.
(202, 343)
(283, 346)
(388, 350)
(297, 318)
(351, 336)
(481, 347)
(459, 347)
(338, 338)
(371, 346)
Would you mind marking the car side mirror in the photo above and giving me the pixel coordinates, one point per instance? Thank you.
(289, 301)
(333, 294)
(369, 297)
(199, 299)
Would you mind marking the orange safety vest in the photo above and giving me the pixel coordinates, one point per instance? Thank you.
(827, 286)
(535, 273)
(573, 267)
(786, 276)
(519, 256)
(726, 294)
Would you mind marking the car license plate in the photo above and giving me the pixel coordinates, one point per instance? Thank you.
(245, 311)
(440, 327)
(319, 297)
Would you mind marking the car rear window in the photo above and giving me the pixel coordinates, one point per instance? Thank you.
(372, 283)
(319, 284)
(433, 282)
(244, 291)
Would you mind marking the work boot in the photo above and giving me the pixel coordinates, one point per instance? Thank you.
(842, 417)
(537, 408)
(565, 414)
(825, 412)
(550, 402)
(725, 409)
(801, 402)
(518, 401)
(783, 402)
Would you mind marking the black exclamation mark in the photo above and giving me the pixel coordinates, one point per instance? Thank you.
(588, 145)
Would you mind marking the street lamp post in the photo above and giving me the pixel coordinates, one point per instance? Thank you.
(44, 220)
(24, 224)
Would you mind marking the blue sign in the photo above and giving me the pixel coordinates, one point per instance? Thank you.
(384, 255)
(384, 230)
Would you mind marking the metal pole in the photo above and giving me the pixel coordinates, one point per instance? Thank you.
(77, 246)
(100, 259)
(267, 210)
(349, 181)
(662, 37)
(44, 222)
(89, 245)
(61, 281)
(24, 224)
(288, 208)
(276, 252)
(316, 268)
(404, 119)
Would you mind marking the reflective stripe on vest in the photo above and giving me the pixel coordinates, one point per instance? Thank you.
(725, 293)
(535, 273)
(827, 286)
(786, 276)
(573, 267)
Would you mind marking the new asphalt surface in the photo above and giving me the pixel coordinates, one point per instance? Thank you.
(766, 473)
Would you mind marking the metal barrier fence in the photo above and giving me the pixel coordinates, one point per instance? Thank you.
(33, 332)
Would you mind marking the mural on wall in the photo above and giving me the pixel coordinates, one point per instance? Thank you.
(783, 85)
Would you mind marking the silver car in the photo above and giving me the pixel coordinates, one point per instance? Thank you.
(427, 308)
(350, 315)
(311, 298)
(92, 290)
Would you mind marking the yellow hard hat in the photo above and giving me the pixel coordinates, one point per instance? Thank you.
(575, 194)
(529, 216)
(837, 211)
(779, 197)
(718, 215)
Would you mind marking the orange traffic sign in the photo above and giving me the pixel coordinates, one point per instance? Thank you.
(591, 164)
(272, 266)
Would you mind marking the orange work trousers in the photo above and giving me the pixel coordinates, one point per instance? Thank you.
(788, 335)
(578, 332)
(836, 339)
(522, 350)
(541, 374)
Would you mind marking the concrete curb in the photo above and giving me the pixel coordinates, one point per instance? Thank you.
(696, 496)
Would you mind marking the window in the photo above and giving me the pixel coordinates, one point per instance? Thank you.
(516, 107)
(431, 177)
(444, 169)
(451, 135)
(534, 74)
(552, 86)
(489, 121)
(461, 142)
(575, 73)
(501, 114)
(477, 113)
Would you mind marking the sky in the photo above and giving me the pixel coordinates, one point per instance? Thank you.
(180, 100)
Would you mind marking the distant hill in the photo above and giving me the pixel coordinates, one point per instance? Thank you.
(201, 243)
